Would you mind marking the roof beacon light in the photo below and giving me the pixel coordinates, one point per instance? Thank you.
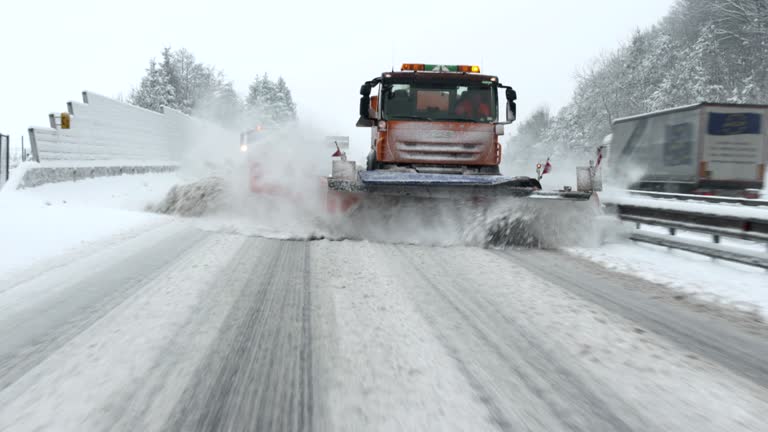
(467, 68)
(412, 67)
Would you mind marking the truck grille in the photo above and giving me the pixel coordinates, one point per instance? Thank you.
(425, 151)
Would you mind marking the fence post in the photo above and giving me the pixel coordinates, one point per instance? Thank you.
(5, 158)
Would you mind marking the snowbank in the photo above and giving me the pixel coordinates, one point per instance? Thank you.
(739, 210)
(731, 284)
(50, 220)
(17, 174)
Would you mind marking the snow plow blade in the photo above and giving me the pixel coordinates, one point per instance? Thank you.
(448, 186)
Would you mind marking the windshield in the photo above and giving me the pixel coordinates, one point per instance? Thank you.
(450, 101)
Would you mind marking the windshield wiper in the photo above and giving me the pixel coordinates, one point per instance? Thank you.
(406, 117)
(462, 119)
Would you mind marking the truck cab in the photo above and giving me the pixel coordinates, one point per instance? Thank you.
(435, 119)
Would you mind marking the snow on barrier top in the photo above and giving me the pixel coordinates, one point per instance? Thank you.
(103, 129)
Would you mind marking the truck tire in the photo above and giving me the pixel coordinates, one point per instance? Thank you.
(490, 170)
(371, 162)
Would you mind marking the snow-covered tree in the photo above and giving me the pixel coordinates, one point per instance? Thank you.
(285, 108)
(224, 106)
(178, 81)
(155, 90)
(703, 50)
(270, 101)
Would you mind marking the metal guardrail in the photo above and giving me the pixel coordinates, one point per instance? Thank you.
(701, 249)
(702, 198)
(718, 226)
(704, 220)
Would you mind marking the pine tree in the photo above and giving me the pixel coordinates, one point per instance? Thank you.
(168, 69)
(286, 107)
(155, 90)
(186, 71)
(178, 81)
(270, 101)
(256, 93)
(226, 107)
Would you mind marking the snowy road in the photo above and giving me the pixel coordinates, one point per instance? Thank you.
(174, 328)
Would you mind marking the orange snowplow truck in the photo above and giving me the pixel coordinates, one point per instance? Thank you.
(436, 118)
(435, 133)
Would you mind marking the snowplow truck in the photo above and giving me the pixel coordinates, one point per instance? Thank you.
(435, 133)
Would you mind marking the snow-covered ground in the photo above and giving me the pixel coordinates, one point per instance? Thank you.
(50, 220)
(727, 283)
(731, 284)
(401, 337)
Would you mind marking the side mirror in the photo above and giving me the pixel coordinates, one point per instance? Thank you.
(365, 100)
(365, 103)
(511, 95)
(511, 111)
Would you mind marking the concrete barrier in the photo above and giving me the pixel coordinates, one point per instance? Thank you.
(37, 176)
(104, 129)
(101, 137)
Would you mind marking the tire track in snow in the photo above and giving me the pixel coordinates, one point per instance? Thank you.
(147, 406)
(258, 374)
(306, 403)
(30, 335)
(570, 402)
(79, 385)
(382, 366)
(647, 382)
(741, 350)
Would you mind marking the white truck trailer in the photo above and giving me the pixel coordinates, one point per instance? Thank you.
(705, 148)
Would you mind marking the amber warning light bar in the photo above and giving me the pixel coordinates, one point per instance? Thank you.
(440, 68)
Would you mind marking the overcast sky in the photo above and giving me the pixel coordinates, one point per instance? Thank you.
(52, 50)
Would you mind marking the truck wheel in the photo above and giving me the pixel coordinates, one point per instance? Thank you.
(371, 162)
(528, 182)
(490, 170)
